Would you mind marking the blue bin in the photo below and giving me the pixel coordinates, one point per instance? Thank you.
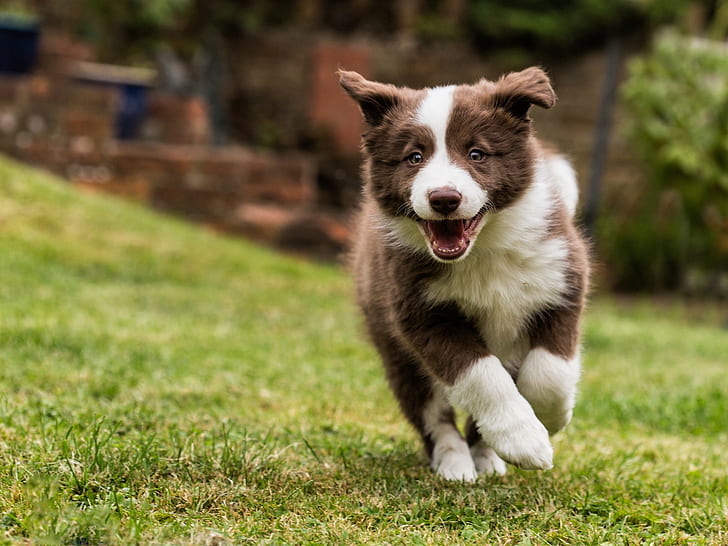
(132, 110)
(18, 46)
(132, 106)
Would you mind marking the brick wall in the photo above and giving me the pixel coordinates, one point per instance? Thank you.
(329, 109)
(52, 123)
(231, 188)
(68, 127)
(175, 119)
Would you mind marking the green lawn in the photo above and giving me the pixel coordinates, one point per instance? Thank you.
(160, 384)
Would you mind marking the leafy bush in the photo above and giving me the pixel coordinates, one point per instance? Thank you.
(550, 26)
(676, 236)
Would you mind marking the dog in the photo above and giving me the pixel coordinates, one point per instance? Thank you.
(469, 269)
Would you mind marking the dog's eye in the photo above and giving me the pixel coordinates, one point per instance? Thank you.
(415, 158)
(476, 155)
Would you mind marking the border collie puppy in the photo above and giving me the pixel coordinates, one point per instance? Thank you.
(469, 270)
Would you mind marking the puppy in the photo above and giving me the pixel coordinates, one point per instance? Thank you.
(469, 271)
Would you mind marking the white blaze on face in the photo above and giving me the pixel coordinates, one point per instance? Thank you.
(439, 170)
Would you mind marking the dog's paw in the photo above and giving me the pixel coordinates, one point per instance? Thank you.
(454, 464)
(487, 461)
(525, 445)
(554, 421)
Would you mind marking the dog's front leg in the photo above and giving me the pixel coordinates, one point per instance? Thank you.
(476, 381)
(550, 372)
(503, 417)
(548, 382)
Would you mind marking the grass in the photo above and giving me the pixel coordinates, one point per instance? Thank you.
(160, 384)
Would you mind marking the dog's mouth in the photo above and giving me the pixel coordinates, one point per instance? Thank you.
(450, 239)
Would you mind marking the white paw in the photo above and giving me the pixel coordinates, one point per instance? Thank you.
(487, 461)
(505, 419)
(553, 420)
(524, 444)
(454, 464)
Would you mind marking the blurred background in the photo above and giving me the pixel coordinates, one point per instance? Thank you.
(228, 112)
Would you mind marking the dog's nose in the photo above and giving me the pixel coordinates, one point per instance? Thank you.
(445, 200)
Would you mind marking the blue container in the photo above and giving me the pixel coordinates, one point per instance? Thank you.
(132, 105)
(18, 45)
(132, 110)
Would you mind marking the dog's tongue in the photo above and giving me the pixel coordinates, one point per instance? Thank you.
(447, 238)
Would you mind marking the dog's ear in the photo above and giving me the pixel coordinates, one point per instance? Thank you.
(375, 99)
(517, 91)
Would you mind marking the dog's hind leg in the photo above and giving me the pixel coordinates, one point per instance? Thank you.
(425, 406)
(485, 458)
(450, 456)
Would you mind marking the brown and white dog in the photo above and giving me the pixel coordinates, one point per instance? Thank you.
(469, 270)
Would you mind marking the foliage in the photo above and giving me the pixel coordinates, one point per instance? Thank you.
(668, 11)
(17, 12)
(130, 27)
(570, 25)
(163, 385)
(678, 229)
(552, 26)
(124, 28)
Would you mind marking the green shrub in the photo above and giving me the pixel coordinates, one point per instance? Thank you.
(676, 233)
(553, 27)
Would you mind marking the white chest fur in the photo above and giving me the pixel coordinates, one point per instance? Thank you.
(514, 270)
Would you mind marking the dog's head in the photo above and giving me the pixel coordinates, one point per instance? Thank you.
(444, 158)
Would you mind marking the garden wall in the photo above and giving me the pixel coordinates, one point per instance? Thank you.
(68, 128)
